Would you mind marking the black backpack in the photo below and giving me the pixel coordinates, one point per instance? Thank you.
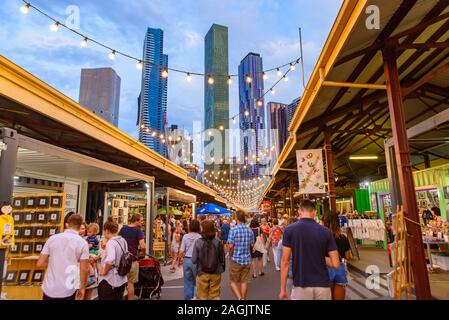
(209, 257)
(126, 261)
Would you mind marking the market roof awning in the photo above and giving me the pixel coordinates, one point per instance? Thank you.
(346, 95)
(37, 110)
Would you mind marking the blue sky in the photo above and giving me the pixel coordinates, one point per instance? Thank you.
(267, 27)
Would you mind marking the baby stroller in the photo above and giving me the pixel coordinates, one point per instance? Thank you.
(150, 279)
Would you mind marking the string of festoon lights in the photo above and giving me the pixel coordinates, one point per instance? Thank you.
(245, 192)
(56, 25)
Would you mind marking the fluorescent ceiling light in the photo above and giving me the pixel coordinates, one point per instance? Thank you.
(363, 157)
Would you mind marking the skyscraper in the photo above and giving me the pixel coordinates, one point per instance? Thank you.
(153, 96)
(216, 95)
(100, 92)
(180, 150)
(291, 108)
(251, 89)
(277, 123)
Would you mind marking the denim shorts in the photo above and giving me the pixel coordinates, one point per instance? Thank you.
(338, 276)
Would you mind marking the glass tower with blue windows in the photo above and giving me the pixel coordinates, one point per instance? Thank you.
(251, 104)
(153, 96)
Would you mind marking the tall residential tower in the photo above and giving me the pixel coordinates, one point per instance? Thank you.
(153, 96)
(251, 103)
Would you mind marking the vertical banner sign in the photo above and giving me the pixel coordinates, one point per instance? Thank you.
(72, 193)
(310, 171)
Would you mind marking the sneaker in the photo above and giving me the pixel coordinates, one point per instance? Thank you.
(278, 269)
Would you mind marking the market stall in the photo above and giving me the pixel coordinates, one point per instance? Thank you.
(169, 201)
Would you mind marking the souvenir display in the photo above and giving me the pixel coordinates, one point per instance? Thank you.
(52, 231)
(36, 218)
(27, 232)
(41, 217)
(56, 202)
(28, 217)
(24, 276)
(43, 202)
(27, 247)
(18, 203)
(54, 217)
(38, 276)
(18, 217)
(16, 248)
(40, 232)
(38, 246)
(17, 232)
(11, 276)
(31, 202)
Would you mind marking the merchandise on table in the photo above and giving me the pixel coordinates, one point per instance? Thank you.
(36, 218)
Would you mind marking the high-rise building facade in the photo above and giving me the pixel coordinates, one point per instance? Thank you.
(216, 95)
(291, 110)
(277, 123)
(180, 146)
(252, 115)
(153, 96)
(100, 92)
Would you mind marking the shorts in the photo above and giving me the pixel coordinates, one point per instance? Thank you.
(133, 275)
(311, 293)
(239, 273)
(338, 276)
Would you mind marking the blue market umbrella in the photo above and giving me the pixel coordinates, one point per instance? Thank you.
(211, 208)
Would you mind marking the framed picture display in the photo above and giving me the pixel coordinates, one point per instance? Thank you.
(17, 232)
(31, 202)
(120, 220)
(40, 232)
(27, 247)
(24, 276)
(54, 217)
(125, 204)
(16, 248)
(18, 203)
(38, 246)
(421, 194)
(11, 277)
(52, 231)
(41, 217)
(423, 204)
(38, 276)
(116, 203)
(28, 217)
(56, 202)
(18, 217)
(27, 232)
(43, 202)
(120, 212)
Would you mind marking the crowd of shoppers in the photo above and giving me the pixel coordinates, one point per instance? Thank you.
(310, 256)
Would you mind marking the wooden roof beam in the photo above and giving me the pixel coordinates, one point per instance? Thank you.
(425, 79)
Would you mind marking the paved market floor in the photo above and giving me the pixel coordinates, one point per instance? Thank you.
(267, 287)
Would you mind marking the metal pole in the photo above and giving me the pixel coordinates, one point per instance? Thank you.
(404, 166)
(302, 59)
(8, 162)
(150, 218)
(292, 209)
(330, 171)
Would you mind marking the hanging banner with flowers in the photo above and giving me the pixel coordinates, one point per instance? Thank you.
(310, 171)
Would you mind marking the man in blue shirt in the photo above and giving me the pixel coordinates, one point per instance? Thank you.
(313, 248)
(241, 242)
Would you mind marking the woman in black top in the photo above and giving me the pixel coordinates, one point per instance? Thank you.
(338, 277)
(257, 257)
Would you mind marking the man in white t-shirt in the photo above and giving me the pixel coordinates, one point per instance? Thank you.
(66, 257)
